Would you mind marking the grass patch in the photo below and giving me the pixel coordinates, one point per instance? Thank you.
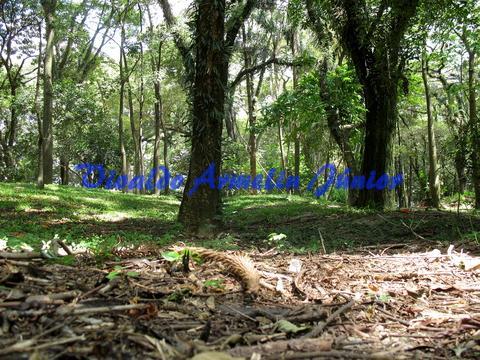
(100, 220)
(92, 218)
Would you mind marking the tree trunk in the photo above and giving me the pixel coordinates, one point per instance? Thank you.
(401, 190)
(410, 182)
(47, 126)
(433, 173)
(37, 111)
(252, 140)
(135, 135)
(376, 54)
(296, 134)
(274, 90)
(211, 75)
(474, 126)
(141, 103)
(159, 121)
(64, 169)
(381, 103)
(121, 135)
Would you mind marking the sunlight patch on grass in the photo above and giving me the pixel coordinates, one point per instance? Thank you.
(115, 216)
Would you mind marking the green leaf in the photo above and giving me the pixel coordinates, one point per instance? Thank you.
(113, 274)
(289, 328)
(133, 274)
(277, 237)
(171, 256)
(218, 284)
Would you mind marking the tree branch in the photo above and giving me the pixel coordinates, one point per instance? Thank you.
(236, 23)
(182, 47)
(262, 65)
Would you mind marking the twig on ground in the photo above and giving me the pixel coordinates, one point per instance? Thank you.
(64, 247)
(319, 329)
(323, 242)
(20, 255)
(75, 310)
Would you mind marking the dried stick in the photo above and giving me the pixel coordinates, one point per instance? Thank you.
(320, 327)
(28, 255)
(98, 310)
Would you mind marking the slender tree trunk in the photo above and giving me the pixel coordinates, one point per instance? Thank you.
(274, 90)
(37, 111)
(140, 132)
(11, 164)
(433, 173)
(47, 125)
(295, 70)
(64, 168)
(474, 126)
(401, 191)
(211, 75)
(134, 130)
(159, 121)
(141, 103)
(410, 183)
(121, 135)
(252, 141)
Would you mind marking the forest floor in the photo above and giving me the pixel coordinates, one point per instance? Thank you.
(367, 285)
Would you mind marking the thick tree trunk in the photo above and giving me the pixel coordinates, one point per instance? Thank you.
(202, 207)
(381, 103)
(47, 125)
(376, 55)
(433, 173)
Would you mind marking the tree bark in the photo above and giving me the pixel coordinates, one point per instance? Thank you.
(433, 172)
(401, 190)
(47, 125)
(38, 114)
(64, 169)
(376, 56)
(135, 134)
(121, 135)
(296, 134)
(474, 125)
(252, 140)
(159, 121)
(211, 75)
(274, 90)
